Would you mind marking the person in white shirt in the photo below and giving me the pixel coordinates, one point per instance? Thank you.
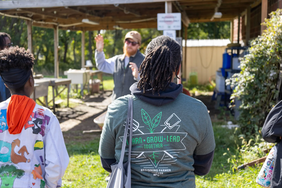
(33, 152)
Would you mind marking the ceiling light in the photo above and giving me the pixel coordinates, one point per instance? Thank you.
(89, 22)
(117, 27)
(217, 15)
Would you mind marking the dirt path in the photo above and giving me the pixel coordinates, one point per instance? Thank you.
(75, 121)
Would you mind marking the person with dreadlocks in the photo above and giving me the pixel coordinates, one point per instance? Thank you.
(172, 137)
(124, 67)
(33, 152)
(5, 42)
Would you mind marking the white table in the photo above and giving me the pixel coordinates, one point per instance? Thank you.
(81, 77)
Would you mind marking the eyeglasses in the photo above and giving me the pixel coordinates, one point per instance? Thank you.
(9, 45)
(130, 42)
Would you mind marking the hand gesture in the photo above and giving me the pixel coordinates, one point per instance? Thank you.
(134, 69)
(99, 43)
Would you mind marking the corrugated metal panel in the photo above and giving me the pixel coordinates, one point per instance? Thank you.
(205, 61)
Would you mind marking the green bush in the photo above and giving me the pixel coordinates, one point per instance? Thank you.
(256, 84)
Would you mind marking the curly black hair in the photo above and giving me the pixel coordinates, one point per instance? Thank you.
(15, 57)
(163, 58)
(3, 40)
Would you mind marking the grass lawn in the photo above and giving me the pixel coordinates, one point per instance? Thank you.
(85, 169)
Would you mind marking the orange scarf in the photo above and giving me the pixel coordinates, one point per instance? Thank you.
(19, 110)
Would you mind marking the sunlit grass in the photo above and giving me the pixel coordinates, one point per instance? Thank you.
(85, 169)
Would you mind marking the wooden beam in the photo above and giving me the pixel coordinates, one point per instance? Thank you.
(63, 3)
(248, 28)
(168, 7)
(29, 35)
(79, 11)
(56, 51)
(184, 18)
(82, 49)
(42, 14)
(185, 55)
(128, 10)
(264, 4)
(239, 28)
(256, 3)
(232, 31)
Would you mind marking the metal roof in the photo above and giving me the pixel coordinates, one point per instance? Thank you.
(111, 14)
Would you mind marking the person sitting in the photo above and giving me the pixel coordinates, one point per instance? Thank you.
(33, 152)
(172, 136)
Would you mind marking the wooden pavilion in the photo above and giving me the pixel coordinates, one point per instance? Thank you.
(87, 15)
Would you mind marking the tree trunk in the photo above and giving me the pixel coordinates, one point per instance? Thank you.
(66, 51)
(74, 45)
(37, 54)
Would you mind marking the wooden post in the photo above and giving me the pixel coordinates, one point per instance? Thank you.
(168, 7)
(248, 28)
(56, 51)
(264, 5)
(82, 49)
(239, 24)
(29, 34)
(185, 54)
(232, 31)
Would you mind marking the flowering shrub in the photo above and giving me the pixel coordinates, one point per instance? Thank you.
(256, 84)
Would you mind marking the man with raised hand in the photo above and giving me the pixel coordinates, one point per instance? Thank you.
(124, 67)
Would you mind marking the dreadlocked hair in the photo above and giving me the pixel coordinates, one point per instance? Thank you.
(15, 57)
(162, 60)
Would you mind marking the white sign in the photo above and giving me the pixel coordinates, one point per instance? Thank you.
(169, 21)
(179, 41)
(170, 33)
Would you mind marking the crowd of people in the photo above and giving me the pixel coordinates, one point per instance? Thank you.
(172, 134)
(174, 140)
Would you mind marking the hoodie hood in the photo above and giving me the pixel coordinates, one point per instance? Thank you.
(19, 110)
(164, 97)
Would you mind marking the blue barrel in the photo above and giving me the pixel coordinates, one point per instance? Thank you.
(226, 61)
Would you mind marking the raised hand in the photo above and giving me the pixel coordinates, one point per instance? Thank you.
(134, 69)
(99, 43)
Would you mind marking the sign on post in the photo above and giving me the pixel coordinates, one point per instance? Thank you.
(170, 33)
(179, 40)
(169, 21)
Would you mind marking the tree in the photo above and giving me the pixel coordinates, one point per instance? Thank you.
(209, 30)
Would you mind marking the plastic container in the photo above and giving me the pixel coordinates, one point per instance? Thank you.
(265, 175)
(226, 64)
(193, 78)
(95, 86)
(220, 82)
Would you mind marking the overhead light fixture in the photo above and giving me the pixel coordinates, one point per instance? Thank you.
(89, 22)
(117, 27)
(216, 15)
